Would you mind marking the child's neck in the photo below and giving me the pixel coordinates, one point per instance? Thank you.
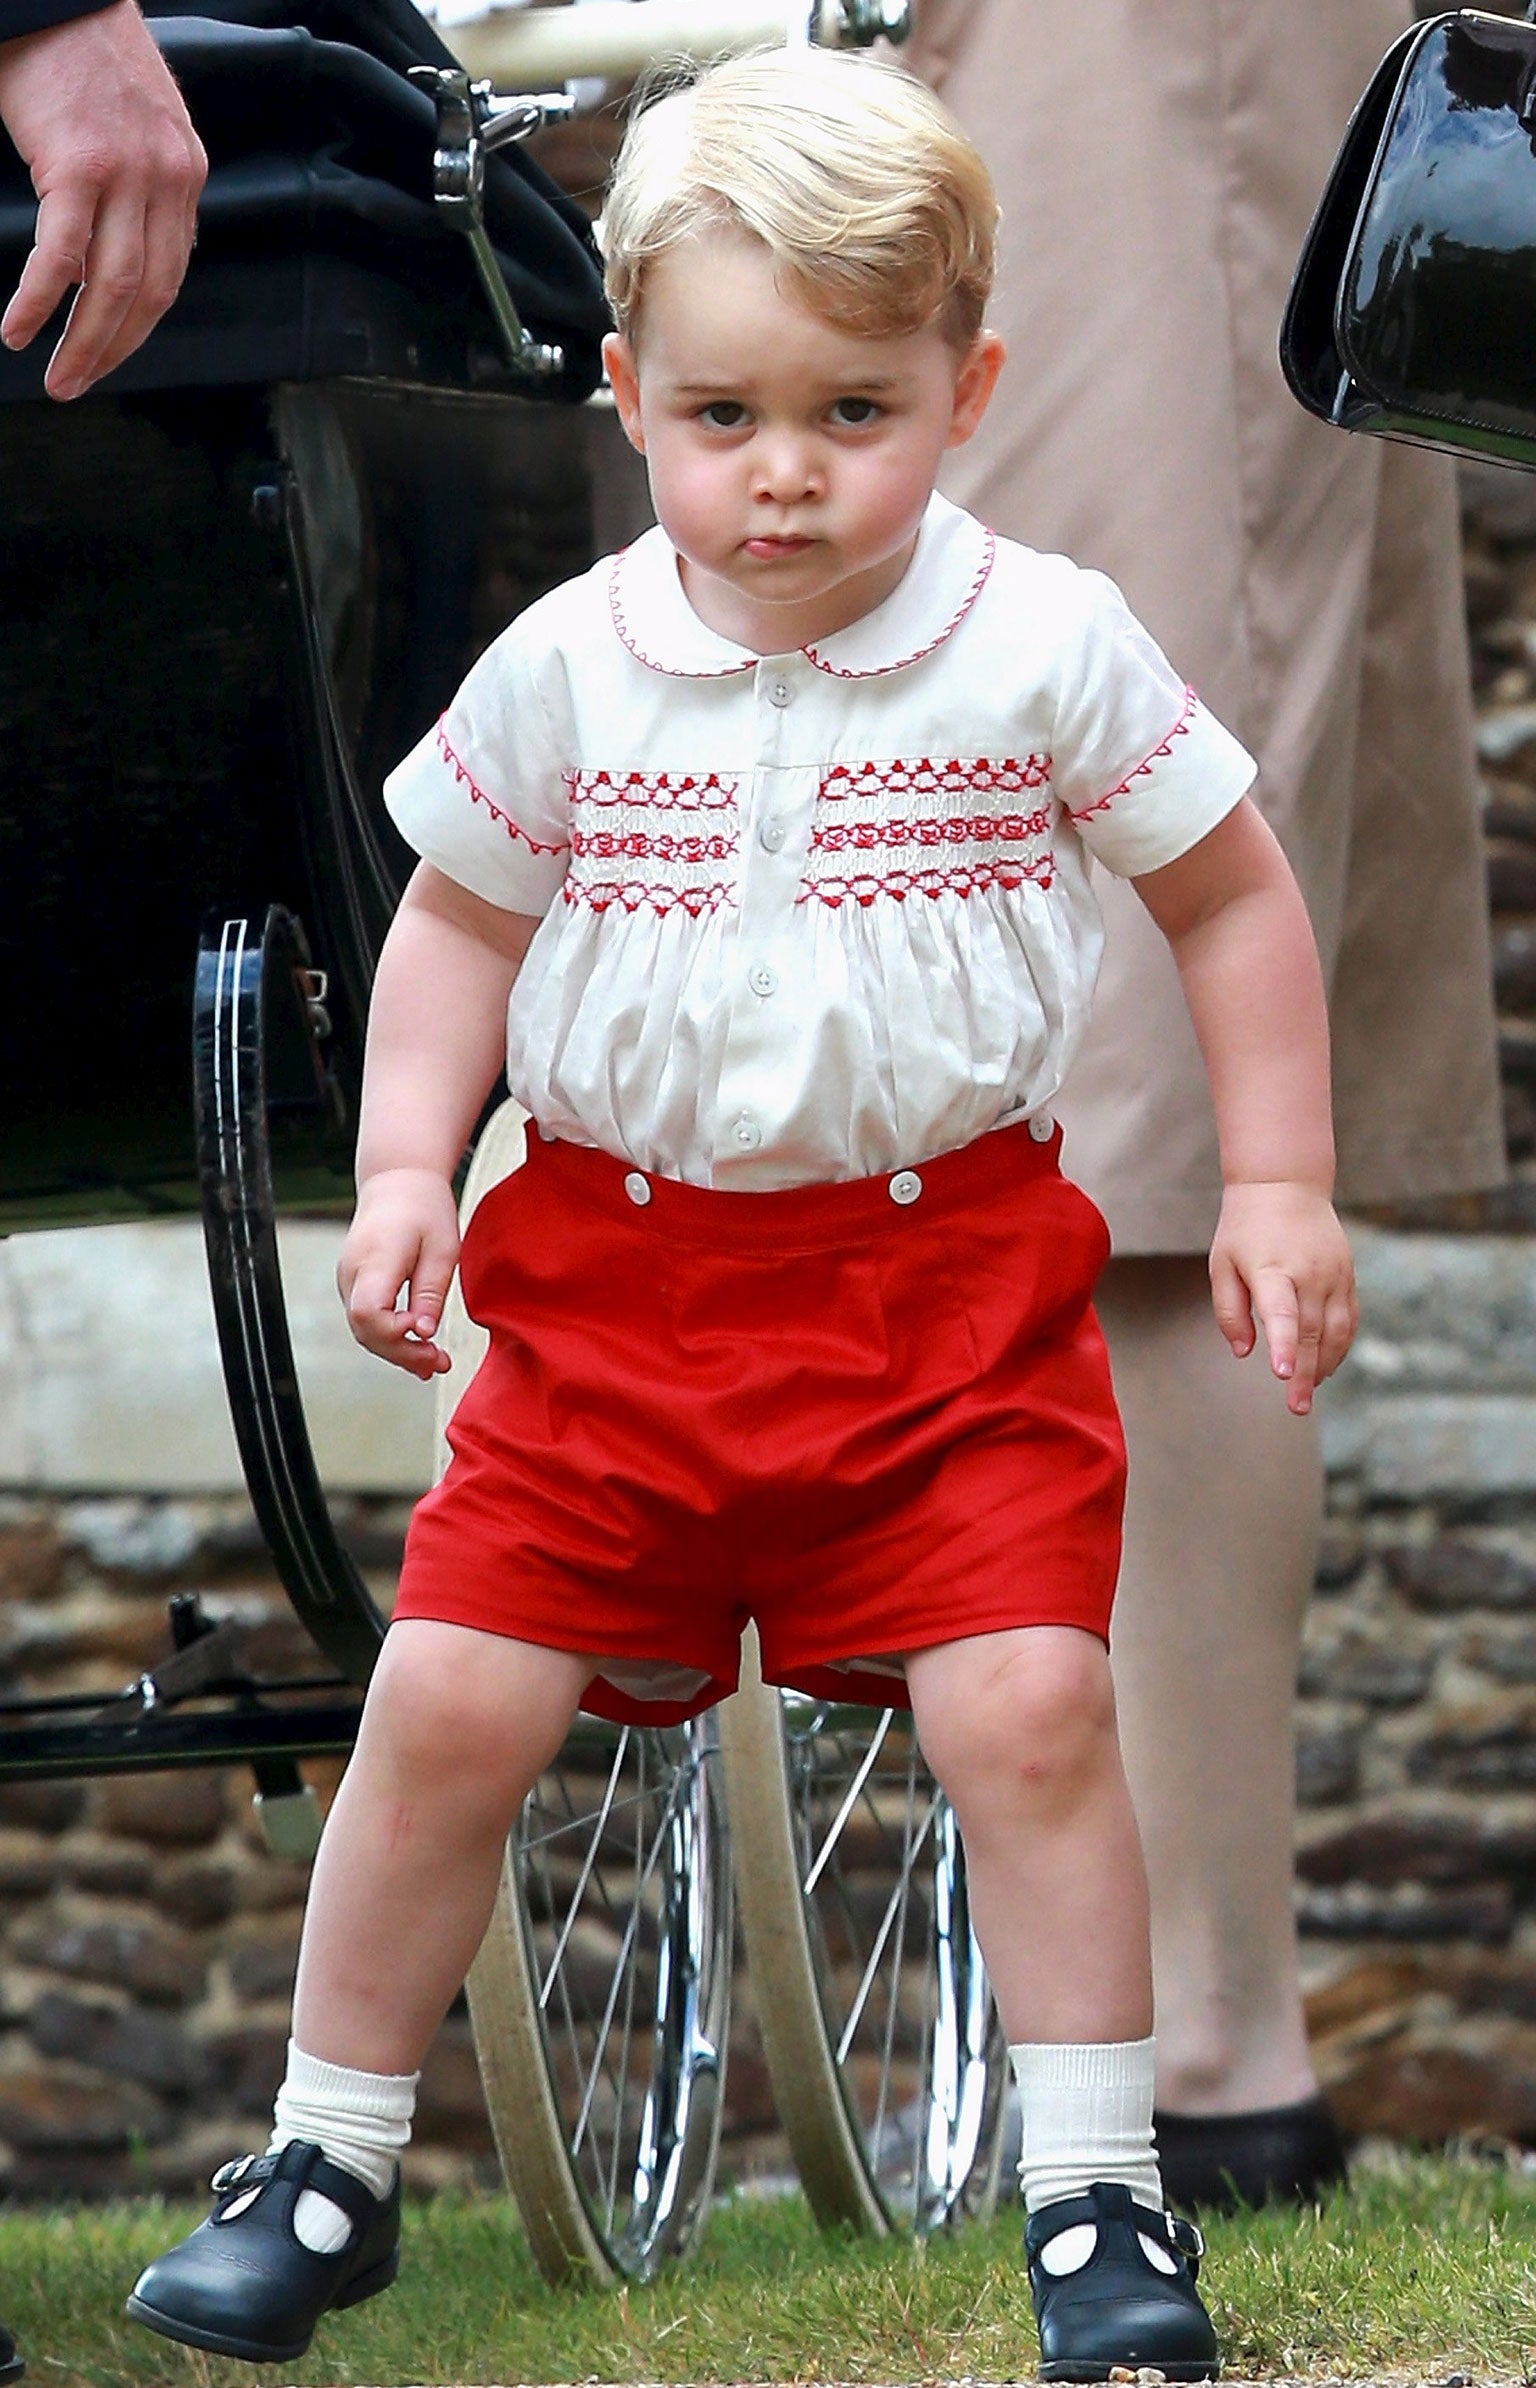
(779, 629)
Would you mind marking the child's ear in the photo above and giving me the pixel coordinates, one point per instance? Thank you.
(974, 385)
(624, 381)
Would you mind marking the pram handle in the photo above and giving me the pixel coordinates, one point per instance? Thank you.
(469, 127)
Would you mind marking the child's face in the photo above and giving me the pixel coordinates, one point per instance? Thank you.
(790, 462)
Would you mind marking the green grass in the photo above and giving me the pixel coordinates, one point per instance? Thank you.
(1424, 2269)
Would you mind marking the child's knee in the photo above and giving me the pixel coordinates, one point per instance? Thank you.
(1034, 1723)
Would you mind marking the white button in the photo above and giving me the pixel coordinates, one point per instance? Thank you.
(1042, 1127)
(637, 1188)
(905, 1186)
(780, 693)
(762, 980)
(747, 1133)
(771, 836)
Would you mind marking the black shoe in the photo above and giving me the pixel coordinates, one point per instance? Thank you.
(11, 2365)
(1284, 2155)
(248, 2286)
(1120, 2311)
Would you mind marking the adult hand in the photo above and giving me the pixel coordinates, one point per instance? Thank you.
(118, 170)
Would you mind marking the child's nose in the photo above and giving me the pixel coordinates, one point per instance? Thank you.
(786, 468)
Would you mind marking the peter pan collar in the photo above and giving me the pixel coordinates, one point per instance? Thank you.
(947, 574)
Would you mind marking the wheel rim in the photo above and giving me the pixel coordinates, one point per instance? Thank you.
(918, 2050)
(625, 1904)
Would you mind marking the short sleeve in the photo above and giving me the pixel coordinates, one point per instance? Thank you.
(482, 796)
(1141, 768)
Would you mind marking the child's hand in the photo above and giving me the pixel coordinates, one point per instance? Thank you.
(405, 1233)
(1281, 1255)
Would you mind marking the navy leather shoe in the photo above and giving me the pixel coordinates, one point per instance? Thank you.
(1120, 2310)
(11, 2365)
(244, 2284)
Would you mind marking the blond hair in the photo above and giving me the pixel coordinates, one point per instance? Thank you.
(877, 210)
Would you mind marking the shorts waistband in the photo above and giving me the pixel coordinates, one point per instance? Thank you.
(848, 1211)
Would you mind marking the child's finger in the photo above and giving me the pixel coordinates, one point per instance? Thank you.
(1340, 1318)
(1274, 1299)
(1229, 1298)
(429, 1283)
(1304, 1374)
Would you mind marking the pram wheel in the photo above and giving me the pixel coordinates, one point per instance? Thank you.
(886, 2055)
(601, 1995)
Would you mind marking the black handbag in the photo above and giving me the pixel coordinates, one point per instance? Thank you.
(1413, 309)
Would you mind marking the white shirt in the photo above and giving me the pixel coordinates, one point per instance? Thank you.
(821, 915)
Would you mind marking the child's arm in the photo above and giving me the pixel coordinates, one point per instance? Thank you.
(1234, 917)
(437, 1032)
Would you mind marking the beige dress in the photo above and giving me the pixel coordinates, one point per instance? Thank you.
(1157, 167)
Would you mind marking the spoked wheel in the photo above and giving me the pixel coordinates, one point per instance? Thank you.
(887, 2058)
(600, 1998)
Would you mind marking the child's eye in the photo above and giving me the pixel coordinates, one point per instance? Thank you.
(723, 414)
(853, 413)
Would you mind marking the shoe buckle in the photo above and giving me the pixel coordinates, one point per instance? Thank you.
(1186, 2236)
(231, 2174)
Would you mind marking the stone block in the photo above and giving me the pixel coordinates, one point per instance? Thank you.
(184, 1809)
(74, 2176)
(1340, 1557)
(450, 2104)
(151, 1540)
(1407, 1911)
(1419, 1847)
(46, 1807)
(31, 1559)
(49, 2109)
(196, 1891)
(1462, 1571)
(246, 2063)
(1376, 1665)
(1369, 1997)
(122, 2041)
(1509, 1657)
(1511, 873)
(155, 1962)
(261, 1964)
(1457, 1446)
(1431, 2094)
(1490, 1746)
(29, 1864)
(1327, 1763)
(106, 1869)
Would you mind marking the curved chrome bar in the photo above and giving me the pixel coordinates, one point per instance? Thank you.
(238, 977)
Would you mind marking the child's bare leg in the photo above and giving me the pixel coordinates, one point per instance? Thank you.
(1019, 1728)
(458, 1727)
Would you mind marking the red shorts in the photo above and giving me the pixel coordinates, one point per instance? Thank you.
(871, 1416)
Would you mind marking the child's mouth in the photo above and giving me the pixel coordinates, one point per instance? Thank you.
(766, 550)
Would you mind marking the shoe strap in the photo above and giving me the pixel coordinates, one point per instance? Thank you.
(1110, 2202)
(304, 2164)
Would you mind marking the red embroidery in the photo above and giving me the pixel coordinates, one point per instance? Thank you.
(633, 896)
(721, 671)
(477, 795)
(877, 671)
(955, 829)
(607, 845)
(1180, 729)
(704, 793)
(961, 878)
(1014, 777)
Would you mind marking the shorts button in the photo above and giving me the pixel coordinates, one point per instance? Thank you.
(638, 1189)
(1042, 1127)
(905, 1186)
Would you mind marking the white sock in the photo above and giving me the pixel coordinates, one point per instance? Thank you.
(360, 2120)
(1087, 2116)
